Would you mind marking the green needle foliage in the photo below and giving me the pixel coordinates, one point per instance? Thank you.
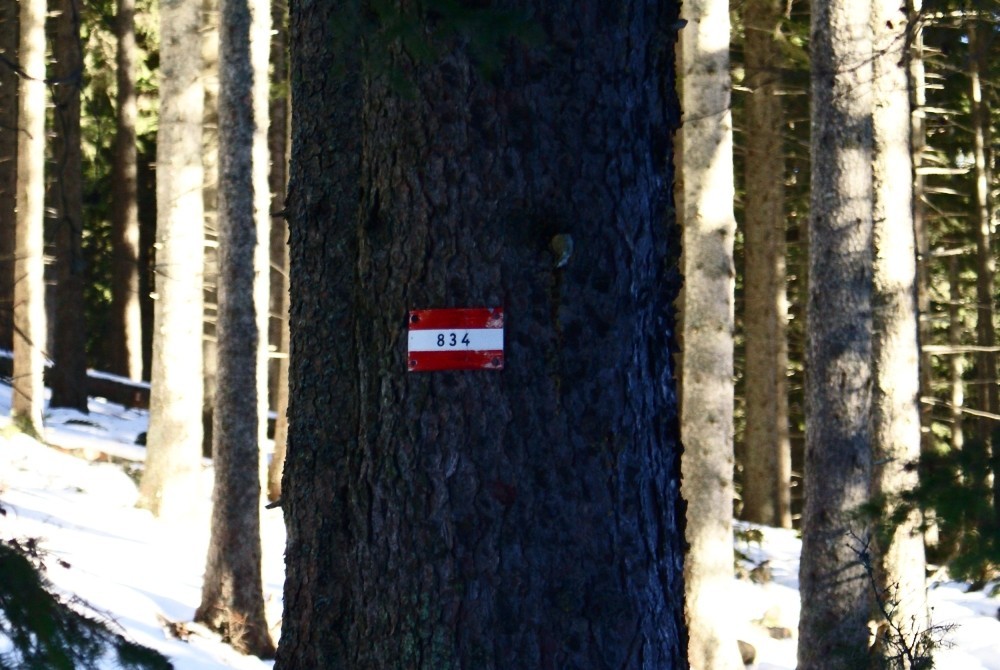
(50, 633)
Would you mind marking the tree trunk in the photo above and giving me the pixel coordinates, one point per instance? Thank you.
(29, 271)
(69, 371)
(836, 596)
(174, 445)
(986, 360)
(232, 595)
(895, 399)
(278, 180)
(767, 465)
(707, 405)
(524, 518)
(126, 317)
(956, 362)
(9, 38)
(210, 193)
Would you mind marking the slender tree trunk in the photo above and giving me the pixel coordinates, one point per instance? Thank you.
(210, 193)
(523, 518)
(836, 596)
(126, 319)
(896, 393)
(174, 443)
(707, 406)
(278, 178)
(29, 271)
(768, 463)
(986, 360)
(69, 371)
(956, 362)
(918, 145)
(9, 38)
(232, 596)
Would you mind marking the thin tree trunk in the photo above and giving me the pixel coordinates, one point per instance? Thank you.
(29, 271)
(126, 354)
(834, 589)
(523, 518)
(278, 179)
(69, 371)
(232, 596)
(707, 405)
(210, 193)
(768, 463)
(174, 443)
(895, 401)
(986, 360)
(9, 38)
(956, 362)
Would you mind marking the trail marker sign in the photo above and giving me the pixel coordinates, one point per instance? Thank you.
(455, 339)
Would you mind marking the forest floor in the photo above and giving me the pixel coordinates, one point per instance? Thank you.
(145, 576)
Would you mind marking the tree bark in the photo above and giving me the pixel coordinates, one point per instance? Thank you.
(232, 595)
(767, 465)
(174, 444)
(900, 567)
(29, 272)
(69, 370)
(126, 354)
(836, 596)
(528, 518)
(9, 39)
(707, 404)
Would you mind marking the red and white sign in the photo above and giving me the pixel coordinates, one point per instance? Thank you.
(455, 339)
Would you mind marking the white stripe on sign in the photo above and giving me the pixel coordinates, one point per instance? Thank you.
(467, 339)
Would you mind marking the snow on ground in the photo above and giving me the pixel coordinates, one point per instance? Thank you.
(142, 571)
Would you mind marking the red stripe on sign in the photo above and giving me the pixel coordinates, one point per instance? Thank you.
(427, 361)
(478, 317)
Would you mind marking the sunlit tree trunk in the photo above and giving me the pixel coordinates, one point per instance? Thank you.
(9, 39)
(232, 596)
(956, 361)
(69, 370)
(918, 146)
(523, 518)
(174, 443)
(900, 566)
(126, 353)
(835, 594)
(767, 465)
(278, 179)
(29, 272)
(707, 404)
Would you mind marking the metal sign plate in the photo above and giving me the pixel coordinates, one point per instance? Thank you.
(455, 339)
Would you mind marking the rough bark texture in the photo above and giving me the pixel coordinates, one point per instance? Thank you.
(278, 179)
(529, 518)
(9, 39)
(126, 317)
(174, 446)
(29, 273)
(232, 593)
(707, 406)
(69, 343)
(895, 396)
(767, 462)
(836, 596)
